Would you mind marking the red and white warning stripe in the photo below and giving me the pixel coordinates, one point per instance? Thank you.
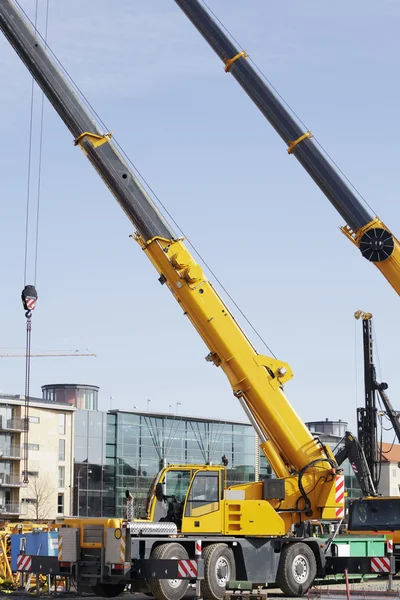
(24, 562)
(380, 564)
(197, 548)
(339, 496)
(389, 546)
(30, 302)
(187, 569)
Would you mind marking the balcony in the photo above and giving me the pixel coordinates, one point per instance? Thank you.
(10, 452)
(12, 425)
(10, 509)
(10, 480)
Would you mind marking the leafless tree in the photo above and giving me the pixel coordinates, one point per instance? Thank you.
(40, 492)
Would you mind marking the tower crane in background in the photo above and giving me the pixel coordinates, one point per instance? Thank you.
(364, 229)
(44, 354)
(27, 356)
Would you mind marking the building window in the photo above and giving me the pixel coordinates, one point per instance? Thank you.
(34, 419)
(32, 446)
(61, 477)
(60, 504)
(61, 449)
(30, 473)
(61, 424)
(28, 500)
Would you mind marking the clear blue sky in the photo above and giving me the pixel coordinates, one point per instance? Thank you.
(261, 223)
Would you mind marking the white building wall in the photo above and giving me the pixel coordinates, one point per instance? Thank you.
(51, 488)
(390, 479)
(50, 474)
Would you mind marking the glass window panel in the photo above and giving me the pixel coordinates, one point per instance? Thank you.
(95, 424)
(80, 449)
(177, 484)
(70, 396)
(81, 423)
(61, 449)
(95, 450)
(60, 395)
(60, 504)
(204, 495)
(61, 477)
(61, 424)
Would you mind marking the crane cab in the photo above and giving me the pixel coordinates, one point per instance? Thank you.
(191, 496)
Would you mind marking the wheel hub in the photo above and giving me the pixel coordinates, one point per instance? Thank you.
(300, 568)
(222, 571)
(175, 583)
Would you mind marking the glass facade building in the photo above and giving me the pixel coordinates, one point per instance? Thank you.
(122, 450)
(94, 476)
(85, 397)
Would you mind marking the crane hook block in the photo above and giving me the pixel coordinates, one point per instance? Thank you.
(29, 297)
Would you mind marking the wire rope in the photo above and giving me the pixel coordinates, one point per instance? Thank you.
(150, 189)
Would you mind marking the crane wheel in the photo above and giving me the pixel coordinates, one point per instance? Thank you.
(169, 589)
(108, 590)
(297, 569)
(219, 568)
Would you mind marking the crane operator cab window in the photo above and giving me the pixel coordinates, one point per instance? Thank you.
(204, 494)
(171, 495)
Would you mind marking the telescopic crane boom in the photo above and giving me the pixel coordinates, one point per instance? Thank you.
(376, 243)
(307, 469)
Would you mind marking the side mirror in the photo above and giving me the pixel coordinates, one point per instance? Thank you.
(159, 492)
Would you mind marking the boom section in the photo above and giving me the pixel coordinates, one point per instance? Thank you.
(94, 142)
(376, 243)
(256, 380)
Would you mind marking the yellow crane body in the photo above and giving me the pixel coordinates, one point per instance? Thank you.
(288, 446)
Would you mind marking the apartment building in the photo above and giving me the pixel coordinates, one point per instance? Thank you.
(50, 459)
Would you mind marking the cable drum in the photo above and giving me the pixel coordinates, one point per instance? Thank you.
(376, 244)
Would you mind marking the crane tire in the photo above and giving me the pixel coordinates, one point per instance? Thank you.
(169, 589)
(297, 569)
(219, 568)
(108, 590)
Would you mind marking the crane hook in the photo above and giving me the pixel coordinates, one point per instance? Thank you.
(29, 297)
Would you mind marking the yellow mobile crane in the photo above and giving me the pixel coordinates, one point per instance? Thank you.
(239, 531)
(375, 241)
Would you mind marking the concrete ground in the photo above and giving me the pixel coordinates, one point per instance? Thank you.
(377, 585)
